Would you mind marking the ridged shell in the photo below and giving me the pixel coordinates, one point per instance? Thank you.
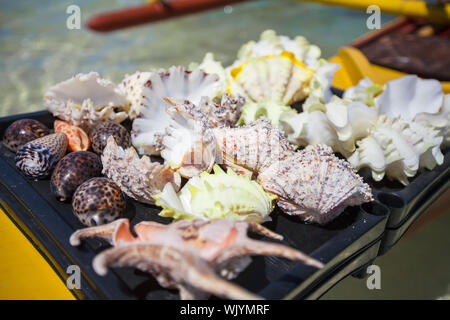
(398, 148)
(77, 139)
(85, 99)
(189, 145)
(251, 148)
(139, 178)
(314, 184)
(71, 171)
(23, 131)
(271, 43)
(98, 201)
(280, 78)
(37, 158)
(132, 87)
(174, 83)
(103, 130)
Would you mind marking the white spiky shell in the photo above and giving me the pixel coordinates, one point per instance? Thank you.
(175, 83)
(132, 86)
(280, 78)
(314, 184)
(398, 148)
(211, 66)
(250, 148)
(86, 99)
(188, 144)
(138, 177)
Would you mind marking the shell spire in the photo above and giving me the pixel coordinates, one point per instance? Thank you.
(139, 178)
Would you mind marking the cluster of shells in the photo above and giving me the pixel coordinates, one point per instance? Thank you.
(240, 118)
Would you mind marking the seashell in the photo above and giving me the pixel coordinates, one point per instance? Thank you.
(71, 171)
(281, 78)
(218, 195)
(189, 255)
(139, 178)
(37, 158)
(398, 148)
(23, 131)
(225, 114)
(251, 148)
(77, 139)
(103, 130)
(175, 83)
(338, 124)
(98, 201)
(86, 99)
(132, 87)
(271, 43)
(189, 145)
(314, 184)
(211, 66)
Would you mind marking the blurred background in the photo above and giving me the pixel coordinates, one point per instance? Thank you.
(37, 50)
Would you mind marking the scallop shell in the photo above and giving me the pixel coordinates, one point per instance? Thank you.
(77, 139)
(251, 148)
(218, 195)
(175, 83)
(314, 184)
(271, 43)
(23, 131)
(37, 158)
(139, 178)
(281, 78)
(398, 148)
(98, 201)
(85, 99)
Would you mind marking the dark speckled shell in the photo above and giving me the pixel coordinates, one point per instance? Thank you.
(23, 131)
(72, 170)
(100, 134)
(37, 158)
(98, 201)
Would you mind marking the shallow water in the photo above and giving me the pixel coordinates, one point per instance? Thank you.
(37, 50)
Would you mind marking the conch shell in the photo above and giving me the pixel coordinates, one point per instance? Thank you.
(174, 83)
(139, 178)
(85, 99)
(218, 195)
(188, 255)
(314, 184)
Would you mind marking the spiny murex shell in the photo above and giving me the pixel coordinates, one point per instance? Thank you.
(85, 99)
(138, 177)
(314, 184)
(175, 83)
(37, 158)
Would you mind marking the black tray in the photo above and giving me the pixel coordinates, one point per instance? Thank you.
(345, 245)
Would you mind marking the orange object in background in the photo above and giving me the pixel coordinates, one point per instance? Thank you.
(151, 12)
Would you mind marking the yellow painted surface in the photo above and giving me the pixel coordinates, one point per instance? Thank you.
(24, 273)
(410, 8)
(355, 66)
